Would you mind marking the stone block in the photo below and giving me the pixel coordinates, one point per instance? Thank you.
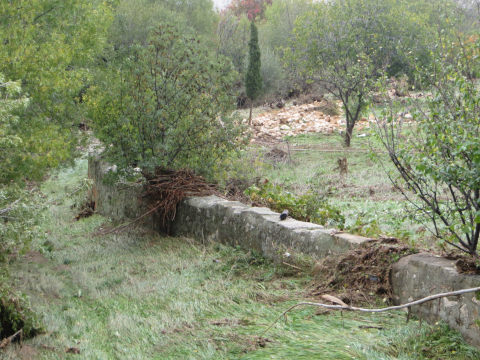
(420, 275)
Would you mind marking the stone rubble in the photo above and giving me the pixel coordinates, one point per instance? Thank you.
(299, 119)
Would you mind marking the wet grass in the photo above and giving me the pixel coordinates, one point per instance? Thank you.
(138, 295)
(365, 195)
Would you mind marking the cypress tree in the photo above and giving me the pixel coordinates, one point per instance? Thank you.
(253, 79)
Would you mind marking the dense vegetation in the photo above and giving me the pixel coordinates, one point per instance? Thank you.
(158, 82)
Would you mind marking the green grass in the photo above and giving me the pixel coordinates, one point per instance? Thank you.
(138, 295)
(365, 195)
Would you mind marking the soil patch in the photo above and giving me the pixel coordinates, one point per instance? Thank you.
(35, 257)
(362, 274)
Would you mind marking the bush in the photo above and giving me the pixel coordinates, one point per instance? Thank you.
(15, 314)
(273, 74)
(309, 207)
(135, 19)
(169, 106)
(18, 219)
(233, 34)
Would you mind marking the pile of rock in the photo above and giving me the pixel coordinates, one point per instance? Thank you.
(299, 119)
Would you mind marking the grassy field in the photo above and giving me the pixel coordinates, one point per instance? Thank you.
(365, 195)
(137, 295)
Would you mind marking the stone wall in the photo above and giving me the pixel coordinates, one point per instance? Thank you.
(215, 219)
(417, 276)
(231, 222)
(119, 201)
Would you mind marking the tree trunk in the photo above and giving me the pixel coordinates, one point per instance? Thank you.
(250, 116)
(348, 135)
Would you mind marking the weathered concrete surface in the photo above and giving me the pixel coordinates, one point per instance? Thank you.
(117, 201)
(417, 276)
(215, 219)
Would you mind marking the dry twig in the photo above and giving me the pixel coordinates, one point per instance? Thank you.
(7, 341)
(164, 191)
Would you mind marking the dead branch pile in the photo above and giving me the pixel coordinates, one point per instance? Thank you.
(166, 188)
(87, 209)
(362, 274)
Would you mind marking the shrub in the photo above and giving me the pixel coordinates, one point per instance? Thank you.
(272, 73)
(15, 314)
(169, 106)
(309, 207)
(18, 220)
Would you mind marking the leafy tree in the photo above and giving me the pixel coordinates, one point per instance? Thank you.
(169, 105)
(337, 45)
(135, 19)
(276, 32)
(438, 158)
(253, 78)
(232, 39)
(280, 18)
(346, 44)
(49, 46)
(16, 215)
(251, 8)
(11, 102)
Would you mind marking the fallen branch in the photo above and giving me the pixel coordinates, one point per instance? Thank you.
(292, 266)
(5, 342)
(125, 226)
(390, 308)
(8, 208)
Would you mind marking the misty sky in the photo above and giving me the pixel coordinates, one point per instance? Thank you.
(220, 4)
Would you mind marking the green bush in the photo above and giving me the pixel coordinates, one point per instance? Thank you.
(50, 48)
(135, 19)
(273, 74)
(18, 220)
(309, 207)
(233, 34)
(168, 105)
(15, 314)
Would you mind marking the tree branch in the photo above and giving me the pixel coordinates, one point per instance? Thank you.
(390, 308)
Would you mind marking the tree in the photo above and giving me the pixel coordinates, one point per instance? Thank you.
(251, 8)
(50, 47)
(135, 19)
(437, 158)
(337, 45)
(169, 105)
(345, 45)
(253, 79)
(275, 33)
(16, 215)
(11, 102)
(232, 39)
